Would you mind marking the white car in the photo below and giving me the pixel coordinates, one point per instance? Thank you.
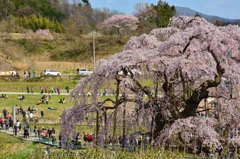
(84, 71)
(51, 72)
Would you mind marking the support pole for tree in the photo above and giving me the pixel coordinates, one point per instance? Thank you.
(115, 113)
(152, 129)
(206, 107)
(105, 125)
(97, 127)
(124, 124)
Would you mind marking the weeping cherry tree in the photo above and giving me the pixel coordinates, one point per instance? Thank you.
(158, 81)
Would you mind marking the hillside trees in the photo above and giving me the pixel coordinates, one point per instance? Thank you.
(184, 64)
(153, 16)
(35, 23)
(30, 14)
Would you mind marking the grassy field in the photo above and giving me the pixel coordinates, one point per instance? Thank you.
(32, 99)
(14, 148)
(20, 85)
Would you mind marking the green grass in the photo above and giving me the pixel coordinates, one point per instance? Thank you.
(31, 100)
(13, 148)
(20, 85)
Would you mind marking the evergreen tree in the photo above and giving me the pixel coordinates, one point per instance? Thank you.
(163, 13)
(197, 15)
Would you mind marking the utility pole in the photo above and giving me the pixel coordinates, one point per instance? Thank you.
(94, 55)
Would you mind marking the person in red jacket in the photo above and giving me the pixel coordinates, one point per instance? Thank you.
(89, 137)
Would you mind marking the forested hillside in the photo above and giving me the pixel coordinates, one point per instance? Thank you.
(57, 30)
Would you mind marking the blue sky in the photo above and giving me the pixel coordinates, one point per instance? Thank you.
(223, 8)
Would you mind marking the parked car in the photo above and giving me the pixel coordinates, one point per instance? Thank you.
(51, 72)
(84, 71)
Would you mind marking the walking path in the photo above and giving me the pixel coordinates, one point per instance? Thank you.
(32, 93)
(19, 134)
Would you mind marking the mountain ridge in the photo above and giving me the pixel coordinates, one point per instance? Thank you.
(210, 18)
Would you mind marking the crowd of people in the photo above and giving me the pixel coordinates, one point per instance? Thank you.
(131, 142)
(53, 90)
(29, 74)
(45, 134)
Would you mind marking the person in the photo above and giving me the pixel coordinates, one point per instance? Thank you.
(32, 89)
(4, 96)
(36, 117)
(24, 74)
(21, 109)
(33, 108)
(43, 99)
(85, 137)
(34, 74)
(105, 92)
(5, 113)
(25, 132)
(60, 140)
(42, 113)
(31, 117)
(26, 118)
(58, 90)
(38, 102)
(8, 115)
(67, 89)
(41, 90)
(52, 108)
(29, 74)
(89, 137)
(39, 132)
(1, 122)
(46, 99)
(10, 122)
(77, 137)
(49, 132)
(53, 138)
(6, 122)
(61, 100)
(53, 131)
(28, 89)
(35, 130)
(45, 89)
(15, 129)
(66, 139)
(54, 89)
